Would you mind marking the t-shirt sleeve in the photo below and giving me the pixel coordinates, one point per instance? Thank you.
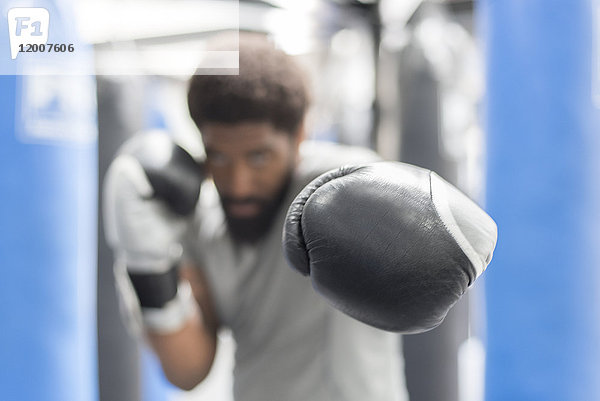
(367, 362)
(320, 157)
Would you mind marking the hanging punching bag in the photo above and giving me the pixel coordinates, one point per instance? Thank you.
(543, 295)
(47, 216)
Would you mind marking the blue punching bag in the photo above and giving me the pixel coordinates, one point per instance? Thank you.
(543, 125)
(48, 213)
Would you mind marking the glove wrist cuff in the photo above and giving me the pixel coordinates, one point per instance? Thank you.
(155, 289)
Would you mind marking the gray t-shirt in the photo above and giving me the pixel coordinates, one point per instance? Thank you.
(290, 344)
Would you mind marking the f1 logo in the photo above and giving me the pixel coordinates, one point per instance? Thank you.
(27, 26)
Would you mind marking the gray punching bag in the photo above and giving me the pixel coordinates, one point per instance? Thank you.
(432, 358)
(119, 116)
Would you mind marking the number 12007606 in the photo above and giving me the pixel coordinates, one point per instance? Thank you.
(47, 48)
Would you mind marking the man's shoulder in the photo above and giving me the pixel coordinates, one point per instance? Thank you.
(318, 157)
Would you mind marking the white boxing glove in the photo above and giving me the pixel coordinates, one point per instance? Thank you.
(149, 189)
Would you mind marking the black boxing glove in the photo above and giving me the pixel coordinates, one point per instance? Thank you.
(150, 188)
(390, 244)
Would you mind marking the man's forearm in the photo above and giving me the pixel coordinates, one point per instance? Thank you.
(186, 355)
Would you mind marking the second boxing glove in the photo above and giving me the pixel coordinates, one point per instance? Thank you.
(390, 244)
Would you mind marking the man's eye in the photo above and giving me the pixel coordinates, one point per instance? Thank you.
(216, 159)
(257, 159)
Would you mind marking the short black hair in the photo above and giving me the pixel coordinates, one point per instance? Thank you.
(270, 88)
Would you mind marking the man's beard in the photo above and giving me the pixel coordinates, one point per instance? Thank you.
(250, 230)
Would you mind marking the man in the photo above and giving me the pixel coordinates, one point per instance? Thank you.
(290, 343)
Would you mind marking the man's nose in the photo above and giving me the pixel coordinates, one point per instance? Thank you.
(240, 182)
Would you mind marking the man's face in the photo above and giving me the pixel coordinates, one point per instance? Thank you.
(251, 164)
